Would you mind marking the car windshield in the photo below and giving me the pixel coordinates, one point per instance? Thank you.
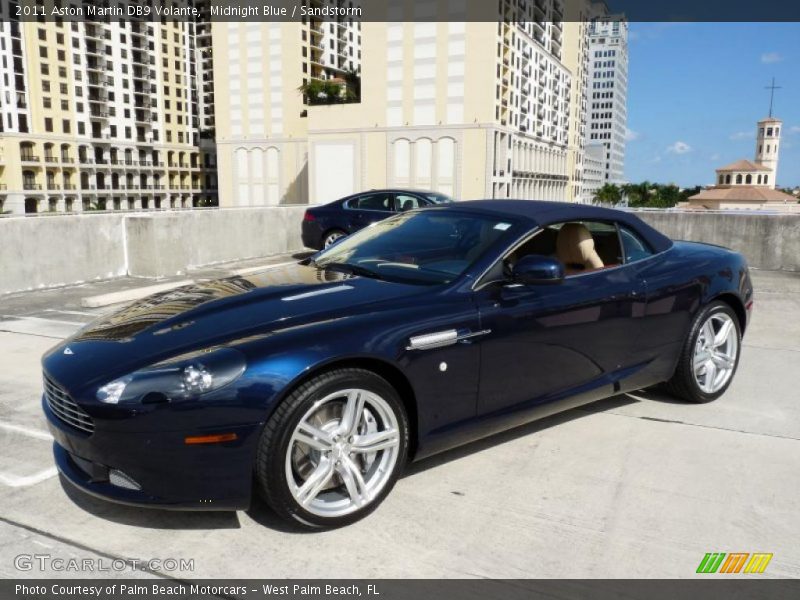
(426, 247)
(437, 198)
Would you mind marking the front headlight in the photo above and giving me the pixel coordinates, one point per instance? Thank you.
(186, 376)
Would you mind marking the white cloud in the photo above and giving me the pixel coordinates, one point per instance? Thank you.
(679, 148)
(741, 135)
(631, 135)
(794, 129)
(771, 57)
(714, 157)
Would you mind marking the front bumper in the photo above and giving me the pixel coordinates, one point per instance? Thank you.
(168, 472)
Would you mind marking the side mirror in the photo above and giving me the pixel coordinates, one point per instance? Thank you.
(535, 269)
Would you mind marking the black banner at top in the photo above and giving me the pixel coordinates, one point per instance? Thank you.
(398, 10)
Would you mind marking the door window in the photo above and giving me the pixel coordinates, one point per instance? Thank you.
(633, 246)
(404, 202)
(380, 201)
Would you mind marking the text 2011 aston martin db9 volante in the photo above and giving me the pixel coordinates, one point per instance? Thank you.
(436, 327)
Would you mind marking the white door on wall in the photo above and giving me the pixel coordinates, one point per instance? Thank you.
(334, 172)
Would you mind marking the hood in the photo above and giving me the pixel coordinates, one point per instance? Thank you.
(214, 312)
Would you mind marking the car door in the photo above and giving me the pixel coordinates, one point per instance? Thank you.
(369, 208)
(550, 342)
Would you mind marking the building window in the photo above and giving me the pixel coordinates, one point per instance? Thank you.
(739, 178)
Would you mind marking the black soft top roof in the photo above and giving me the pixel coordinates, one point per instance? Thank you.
(546, 213)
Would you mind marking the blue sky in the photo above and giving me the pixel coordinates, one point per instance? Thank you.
(695, 92)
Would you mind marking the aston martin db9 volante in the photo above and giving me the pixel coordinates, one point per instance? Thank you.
(326, 224)
(316, 383)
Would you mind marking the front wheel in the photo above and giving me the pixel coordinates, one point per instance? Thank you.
(333, 449)
(710, 355)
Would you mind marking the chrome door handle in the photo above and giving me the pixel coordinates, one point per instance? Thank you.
(440, 339)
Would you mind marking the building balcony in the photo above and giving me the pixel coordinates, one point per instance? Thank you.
(31, 186)
(29, 158)
(51, 159)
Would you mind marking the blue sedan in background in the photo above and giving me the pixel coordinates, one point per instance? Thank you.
(323, 225)
(315, 383)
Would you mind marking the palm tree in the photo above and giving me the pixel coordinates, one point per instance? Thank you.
(608, 194)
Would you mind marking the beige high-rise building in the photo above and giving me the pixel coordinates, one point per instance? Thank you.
(104, 115)
(472, 109)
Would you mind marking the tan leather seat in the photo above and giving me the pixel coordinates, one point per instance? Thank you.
(575, 248)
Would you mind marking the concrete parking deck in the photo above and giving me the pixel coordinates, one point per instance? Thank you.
(636, 486)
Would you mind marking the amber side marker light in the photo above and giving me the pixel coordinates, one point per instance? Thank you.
(210, 439)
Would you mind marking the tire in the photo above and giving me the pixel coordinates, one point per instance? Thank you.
(691, 382)
(337, 481)
(331, 236)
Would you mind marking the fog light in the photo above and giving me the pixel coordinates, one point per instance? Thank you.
(197, 379)
(120, 479)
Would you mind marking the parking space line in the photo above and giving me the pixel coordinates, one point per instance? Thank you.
(71, 312)
(248, 270)
(39, 434)
(41, 320)
(29, 480)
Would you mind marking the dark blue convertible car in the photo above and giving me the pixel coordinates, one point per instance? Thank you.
(324, 225)
(318, 382)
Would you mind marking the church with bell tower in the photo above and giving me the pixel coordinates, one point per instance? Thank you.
(746, 184)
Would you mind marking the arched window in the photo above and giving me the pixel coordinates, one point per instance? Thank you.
(739, 178)
(759, 180)
(728, 179)
(402, 162)
(766, 179)
(423, 165)
(749, 179)
(446, 164)
(721, 179)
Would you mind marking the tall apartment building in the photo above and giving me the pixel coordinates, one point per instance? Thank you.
(103, 115)
(473, 109)
(262, 120)
(576, 59)
(608, 90)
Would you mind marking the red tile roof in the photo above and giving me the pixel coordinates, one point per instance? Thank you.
(743, 165)
(744, 193)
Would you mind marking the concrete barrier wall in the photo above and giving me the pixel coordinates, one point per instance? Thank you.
(41, 252)
(47, 252)
(769, 242)
(166, 244)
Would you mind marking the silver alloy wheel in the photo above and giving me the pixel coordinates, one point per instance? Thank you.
(332, 237)
(342, 452)
(715, 353)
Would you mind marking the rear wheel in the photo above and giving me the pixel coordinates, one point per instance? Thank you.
(332, 237)
(710, 355)
(334, 449)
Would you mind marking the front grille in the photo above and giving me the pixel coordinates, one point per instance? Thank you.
(65, 407)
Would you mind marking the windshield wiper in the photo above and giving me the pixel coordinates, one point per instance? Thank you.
(349, 269)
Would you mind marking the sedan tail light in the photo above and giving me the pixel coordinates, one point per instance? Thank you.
(309, 217)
